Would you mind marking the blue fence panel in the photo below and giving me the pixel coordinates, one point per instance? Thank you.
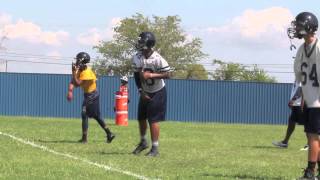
(188, 100)
(227, 101)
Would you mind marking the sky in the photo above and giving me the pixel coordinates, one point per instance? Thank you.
(246, 31)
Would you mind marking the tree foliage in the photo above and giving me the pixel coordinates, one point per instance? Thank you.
(239, 72)
(193, 71)
(181, 52)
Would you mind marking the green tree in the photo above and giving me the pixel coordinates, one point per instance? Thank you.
(239, 72)
(257, 74)
(172, 43)
(193, 71)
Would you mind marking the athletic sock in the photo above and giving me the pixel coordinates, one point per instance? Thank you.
(155, 144)
(143, 138)
(311, 165)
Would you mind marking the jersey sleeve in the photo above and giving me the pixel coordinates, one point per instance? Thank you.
(163, 65)
(136, 63)
(87, 74)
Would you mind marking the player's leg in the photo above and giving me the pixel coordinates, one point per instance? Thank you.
(300, 119)
(103, 125)
(143, 144)
(155, 132)
(313, 142)
(318, 176)
(85, 125)
(312, 128)
(156, 114)
(94, 111)
(290, 128)
(143, 130)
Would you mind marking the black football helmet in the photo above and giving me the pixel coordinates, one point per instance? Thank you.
(146, 40)
(304, 23)
(82, 58)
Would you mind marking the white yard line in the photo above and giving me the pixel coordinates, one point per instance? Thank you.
(105, 167)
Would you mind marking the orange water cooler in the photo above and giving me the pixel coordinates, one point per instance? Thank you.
(121, 107)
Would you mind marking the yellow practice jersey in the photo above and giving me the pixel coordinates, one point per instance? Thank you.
(89, 80)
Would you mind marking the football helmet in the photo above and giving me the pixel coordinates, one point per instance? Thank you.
(304, 23)
(82, 58)
(146, 40)
(124, 79)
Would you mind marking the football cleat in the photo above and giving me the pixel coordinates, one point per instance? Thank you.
(308, 175)
(280, 144)
(141, 146)
(84, 141)
(110, 137)
(153, 152)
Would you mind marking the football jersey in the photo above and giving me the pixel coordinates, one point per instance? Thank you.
(296, 94)
(155, 64)
(89, 80)
(307, 71)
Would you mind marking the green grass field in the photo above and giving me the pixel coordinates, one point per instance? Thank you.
(187, 151)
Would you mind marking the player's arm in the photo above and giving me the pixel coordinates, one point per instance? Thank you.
(137, 80)
(70, 91)
(72, 83)
(75, 80)
(297, 67)
(157, 75)
(136, 65)
(162, 72)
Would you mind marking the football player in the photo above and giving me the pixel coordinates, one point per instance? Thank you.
(84, 77)
(150, 70)
(306, 68)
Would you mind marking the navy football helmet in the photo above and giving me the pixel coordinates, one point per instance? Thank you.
(146, 40)
(304, 23)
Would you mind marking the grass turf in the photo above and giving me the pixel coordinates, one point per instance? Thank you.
(187, 151)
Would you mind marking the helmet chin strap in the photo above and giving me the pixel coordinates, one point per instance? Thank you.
(291, 36)
(292, 46)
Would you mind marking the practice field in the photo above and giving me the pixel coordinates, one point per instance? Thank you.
(47, 148)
